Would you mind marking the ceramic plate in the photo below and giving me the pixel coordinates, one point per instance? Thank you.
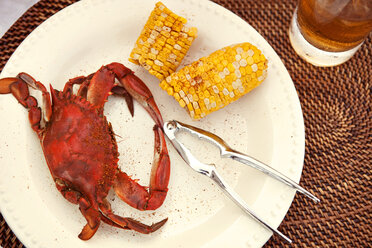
(267, 124)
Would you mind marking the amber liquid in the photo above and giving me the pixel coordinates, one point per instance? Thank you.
(335, 25)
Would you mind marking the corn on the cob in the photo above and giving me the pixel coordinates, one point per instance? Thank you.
(214, 81)
(163, 42)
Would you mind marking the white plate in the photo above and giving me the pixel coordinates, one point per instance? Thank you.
(267, 124)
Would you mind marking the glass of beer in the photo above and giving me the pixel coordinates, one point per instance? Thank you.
(329, 32)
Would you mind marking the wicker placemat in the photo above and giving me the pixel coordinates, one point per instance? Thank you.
(336, 103)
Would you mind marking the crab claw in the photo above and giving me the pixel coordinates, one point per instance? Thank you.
(22, 89)
(5, 84)
(137, 89)
(137, 195)
(118, 90)
(100, 87)
(18, 87)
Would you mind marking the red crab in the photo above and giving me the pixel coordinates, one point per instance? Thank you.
(80, 147)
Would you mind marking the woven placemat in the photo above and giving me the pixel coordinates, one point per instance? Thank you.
(336, 104)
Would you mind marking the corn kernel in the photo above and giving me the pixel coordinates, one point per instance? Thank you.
(176, 96)
(195, 105)
(190, 106)
(164, 85)
(230, 67)
(250, 60)
(177, 88)
(254, 67)
(170, 91)
(182, 103)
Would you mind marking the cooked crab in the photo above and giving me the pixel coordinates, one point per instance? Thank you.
(80, 147)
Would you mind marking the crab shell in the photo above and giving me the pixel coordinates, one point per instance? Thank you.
(80, 148)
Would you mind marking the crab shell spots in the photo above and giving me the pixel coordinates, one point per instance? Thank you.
(80, 147)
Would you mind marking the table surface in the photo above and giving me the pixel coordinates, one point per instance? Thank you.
(11, 10)
(336, 104)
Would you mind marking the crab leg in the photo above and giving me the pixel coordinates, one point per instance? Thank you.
(93, 218)
(81, 80)
(19, 88)
(137, 89)
(127, 223)
(71, 82)
(136, 195)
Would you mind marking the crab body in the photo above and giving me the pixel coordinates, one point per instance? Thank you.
(80, 148)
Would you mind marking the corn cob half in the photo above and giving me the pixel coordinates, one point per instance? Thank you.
(163, 42)
(214, 81)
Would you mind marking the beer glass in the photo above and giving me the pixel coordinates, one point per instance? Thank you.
(329, 32)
